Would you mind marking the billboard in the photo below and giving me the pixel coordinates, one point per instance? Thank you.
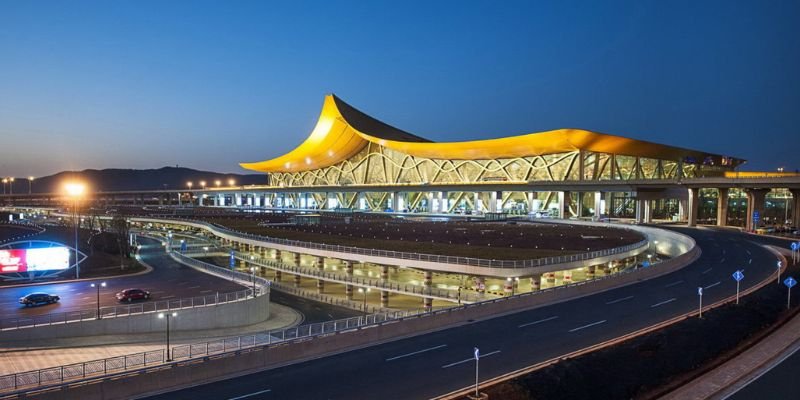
(41, 259)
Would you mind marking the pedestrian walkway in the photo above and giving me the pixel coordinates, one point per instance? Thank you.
(744, 368)
(31, 355)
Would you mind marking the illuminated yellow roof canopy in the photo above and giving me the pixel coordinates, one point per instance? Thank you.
(342, 131)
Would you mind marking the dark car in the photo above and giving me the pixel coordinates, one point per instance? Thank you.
(35, 299)
(130, 295)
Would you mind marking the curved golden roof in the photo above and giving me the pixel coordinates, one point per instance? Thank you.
(342, 131)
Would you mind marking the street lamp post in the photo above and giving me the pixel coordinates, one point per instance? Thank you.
(167, 316)
(253, 274)
(11, 185)
(231, 182)
(75, 190)
(98, 286)
(365, 291)
(5, 180)
(30, 184)
(203, 184)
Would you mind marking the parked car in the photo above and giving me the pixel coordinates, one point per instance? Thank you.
(130, 295)
(35, 299)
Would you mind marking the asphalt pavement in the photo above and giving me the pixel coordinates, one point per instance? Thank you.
(169, 280)
(436, 363)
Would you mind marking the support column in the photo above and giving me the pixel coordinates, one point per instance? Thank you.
(297, 260)
(683, 207)
(590, 272)
(693, 206)
(396, 202)
(493, 202)
(722, 207)
(755, 203)
(476, 203)
(428, 282)
(536, 282)
(579, 203)
(648, 211)
(319, 262)
(384, 272)
(348, 289)
(238, 199)
(639, 211)
(560, 196)
(795, 207)
(531, 197)
(598, 205)
(384, 298)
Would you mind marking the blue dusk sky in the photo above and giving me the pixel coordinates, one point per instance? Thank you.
(144, 84)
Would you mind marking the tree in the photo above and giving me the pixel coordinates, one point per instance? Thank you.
(121, 229)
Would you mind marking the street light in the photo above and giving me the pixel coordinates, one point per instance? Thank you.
(218, 182)
(98, 286)
(189, 184)
(203, 184)
(11, 185)
(231, 182)
(30, 184)
(75, 190)
(167, 316)
(253, 273)
(365, 291)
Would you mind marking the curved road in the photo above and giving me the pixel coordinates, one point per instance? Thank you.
(169, 280)
(436, 363)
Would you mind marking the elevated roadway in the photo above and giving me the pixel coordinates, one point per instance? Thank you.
(432, 364)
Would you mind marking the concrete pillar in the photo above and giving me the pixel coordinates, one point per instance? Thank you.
(278, 275)
(444, 203)
(598, 205)
(648, 211)
(320, 286)
(385, 272)
(639, 211)
(384, 298)
(428, 282)
(319, 262)
(531, 202)
(278, 256)
(579, 204)
(440, 203)
(429, 199)
(297, 281)
(396, 202)
(476, 202)
(722, 207)
(296, 259)
(560, 196)
(493, 201)
(238, 199)
(755, 203)
(795, 207)
(348, 289)
(536, 282)
(693, 206)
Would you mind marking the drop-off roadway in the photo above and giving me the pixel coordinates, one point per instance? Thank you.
(436, 363)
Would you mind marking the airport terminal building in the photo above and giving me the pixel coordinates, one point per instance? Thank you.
(352, 160)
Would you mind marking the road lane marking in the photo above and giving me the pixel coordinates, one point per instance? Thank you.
(618, 300)
(586, 326)
(712, 285)
(538, 322)
(723, 252)
(416, 352)
(751, 261)
(166, 297)
(707, 271)
(250, 394)
(673, 284)
(470, 359)
(663, 302)
(748, 252)
(722, 261)
(194, 287)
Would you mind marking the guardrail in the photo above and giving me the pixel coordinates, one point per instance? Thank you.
(358, 281)
(478, 262)
(156, 358)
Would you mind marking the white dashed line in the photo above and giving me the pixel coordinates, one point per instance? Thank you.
(416, 352)
(707, 271)
(586, 326)
(539, 321)
(663, 302)
(470, 359)
(712, 285)
(618, 300)
(673, 284)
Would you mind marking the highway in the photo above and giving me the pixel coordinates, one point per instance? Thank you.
(169, 280)
(775, 383)
(436, 363)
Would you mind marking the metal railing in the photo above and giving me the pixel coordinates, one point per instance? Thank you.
(358, 281)
(123, 310)
(470, 261)
(99, 368)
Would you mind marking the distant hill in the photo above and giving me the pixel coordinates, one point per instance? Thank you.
(135, 179)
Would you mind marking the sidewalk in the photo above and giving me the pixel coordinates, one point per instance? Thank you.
(744, 368)
(29, 356)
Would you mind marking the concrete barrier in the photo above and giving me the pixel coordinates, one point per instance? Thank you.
(209, 369)
(226, 315)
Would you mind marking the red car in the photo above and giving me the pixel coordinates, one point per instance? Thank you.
(130, 295)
